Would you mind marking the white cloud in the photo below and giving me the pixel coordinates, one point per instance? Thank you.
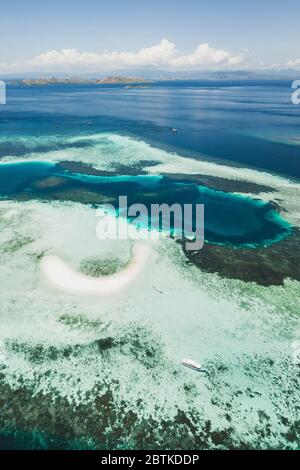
(162, 55)
(293, 63)
(206, 55)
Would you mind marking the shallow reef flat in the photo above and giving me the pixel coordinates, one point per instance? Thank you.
(214, 182)
(104, 424)
(76, 368)
(267, 266)
(222, 184)
(82, 372)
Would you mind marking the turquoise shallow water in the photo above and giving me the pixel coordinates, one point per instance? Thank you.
(229, 218)
(77, 371)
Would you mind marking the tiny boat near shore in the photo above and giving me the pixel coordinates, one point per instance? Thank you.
(194, 365)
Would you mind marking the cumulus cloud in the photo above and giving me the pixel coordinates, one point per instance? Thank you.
(157, 55)
(293, 63)
(206, 55)
(162, 55)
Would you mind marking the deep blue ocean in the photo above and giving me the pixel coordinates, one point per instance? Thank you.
(248, 123)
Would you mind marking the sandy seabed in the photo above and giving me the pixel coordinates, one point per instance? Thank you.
(69, 280)
(108, 367)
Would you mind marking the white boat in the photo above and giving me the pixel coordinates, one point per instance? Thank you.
(157, 289)
(174, 129)
(194, 365)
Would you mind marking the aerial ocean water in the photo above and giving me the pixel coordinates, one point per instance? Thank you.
(104, 372)
(230, 219)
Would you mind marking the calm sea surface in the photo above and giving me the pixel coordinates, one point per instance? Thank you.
(247, 123)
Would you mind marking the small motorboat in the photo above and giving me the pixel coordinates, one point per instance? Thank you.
(174, 130)
(194, 365)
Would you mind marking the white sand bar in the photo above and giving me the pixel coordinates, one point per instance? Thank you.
(62, 276)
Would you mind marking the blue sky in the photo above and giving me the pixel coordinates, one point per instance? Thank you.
(238, 33)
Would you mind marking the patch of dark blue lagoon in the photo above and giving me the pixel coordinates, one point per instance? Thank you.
(14, 177)
(230, 219)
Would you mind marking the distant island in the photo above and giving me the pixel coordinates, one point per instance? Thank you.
(69, 81)
(137, 80)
